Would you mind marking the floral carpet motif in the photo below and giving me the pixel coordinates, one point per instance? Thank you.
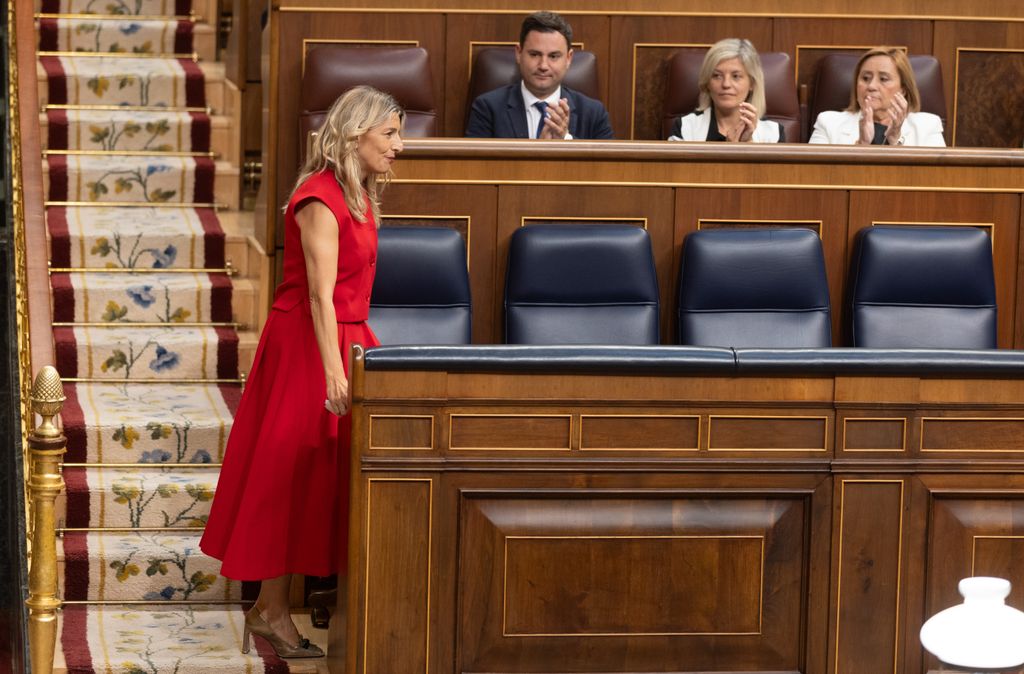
(128, 130)
(98, 297)
(168, 497)
(148, 423)
(115, 35)
(124, 352)
(111, 178)
(127, 81)
(152, 238)
(154, 566)
(172, 640)
(118, 7)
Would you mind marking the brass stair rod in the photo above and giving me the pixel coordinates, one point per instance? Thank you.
(46, 445)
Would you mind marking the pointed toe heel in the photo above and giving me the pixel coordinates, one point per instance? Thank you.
(255, 624)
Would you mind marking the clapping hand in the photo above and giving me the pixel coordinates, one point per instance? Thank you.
(897, 113)
(556, 123)
(744, 131)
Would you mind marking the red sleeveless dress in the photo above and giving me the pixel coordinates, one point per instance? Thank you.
(281, 504)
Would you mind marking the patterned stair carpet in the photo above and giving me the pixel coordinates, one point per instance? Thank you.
(142, 304)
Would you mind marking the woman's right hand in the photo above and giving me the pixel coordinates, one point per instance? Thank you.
(337, 402)
(867, 123)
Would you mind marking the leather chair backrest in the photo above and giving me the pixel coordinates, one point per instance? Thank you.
(754, 288)
(781, 102)
(581, 284)
(403, 72)
(923, 287)
(421, 290)
(495, 67)
(833, 79)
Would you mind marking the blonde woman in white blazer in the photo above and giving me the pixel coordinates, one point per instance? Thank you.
(731, 100)
(885, 107)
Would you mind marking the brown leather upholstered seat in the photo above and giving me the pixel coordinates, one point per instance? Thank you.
(496, 67)
(781, 102)
(833, 79)
(403, 72)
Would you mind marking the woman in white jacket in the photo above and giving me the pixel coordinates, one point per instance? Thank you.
(731, 100)
(885, 107)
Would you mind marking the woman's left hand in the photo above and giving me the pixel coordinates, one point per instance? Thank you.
(897, 114)
(744, 131)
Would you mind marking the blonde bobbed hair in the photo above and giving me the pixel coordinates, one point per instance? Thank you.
(733, 48)
(903, 69)
(337, 142)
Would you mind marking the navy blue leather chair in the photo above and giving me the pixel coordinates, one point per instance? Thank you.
(581, 284)
(754, 288)
(923, 287)
(421, 291)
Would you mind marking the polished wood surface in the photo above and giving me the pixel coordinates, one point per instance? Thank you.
(988, 9)
(527, 522)
(36, 247)
(490, 188)
(984, 40)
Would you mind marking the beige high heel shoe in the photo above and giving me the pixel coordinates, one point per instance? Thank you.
(255, 623)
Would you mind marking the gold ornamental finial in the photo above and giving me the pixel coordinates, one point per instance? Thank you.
(48, 400)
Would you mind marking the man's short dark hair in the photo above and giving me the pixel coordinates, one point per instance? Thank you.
(546, 22)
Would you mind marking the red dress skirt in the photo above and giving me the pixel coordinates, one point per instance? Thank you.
(281, 504)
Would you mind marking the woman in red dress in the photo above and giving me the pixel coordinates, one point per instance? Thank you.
(282, 498)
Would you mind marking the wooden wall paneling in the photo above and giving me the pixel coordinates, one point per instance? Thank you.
(470, 209)
(914, 570)
(645, 206)
(976, 99)
(394, 592)
(976, 528)
(466, 33)
(979, 8)
(807, 39)
(988, 96)
(997, 213)
(671, 544)
(824, 212)
(868, 530)
(299, 31)
(641, 46)
(1018, 319)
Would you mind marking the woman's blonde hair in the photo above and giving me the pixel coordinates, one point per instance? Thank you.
(733, 48)
(336, 146)
(903, 69)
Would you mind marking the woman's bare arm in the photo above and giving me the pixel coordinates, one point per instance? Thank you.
(319, 235)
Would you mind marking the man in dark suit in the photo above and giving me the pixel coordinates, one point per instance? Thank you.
(539, 106)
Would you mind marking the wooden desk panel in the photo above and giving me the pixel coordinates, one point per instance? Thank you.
(633, 559)
(677, 188)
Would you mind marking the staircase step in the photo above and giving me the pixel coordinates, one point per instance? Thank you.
(140, 566)
(177, 83)
(116, 35)
(129, 179)
(200, 132)
(127, 130)
(104, 497)
(136, 353)
(155, 179)
(100, 297)
(180, 639)
(104, 237)
(148, 423)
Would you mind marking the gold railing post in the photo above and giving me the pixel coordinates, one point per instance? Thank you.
(47, 445)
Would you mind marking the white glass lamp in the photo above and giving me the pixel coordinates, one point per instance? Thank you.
(981, 633)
